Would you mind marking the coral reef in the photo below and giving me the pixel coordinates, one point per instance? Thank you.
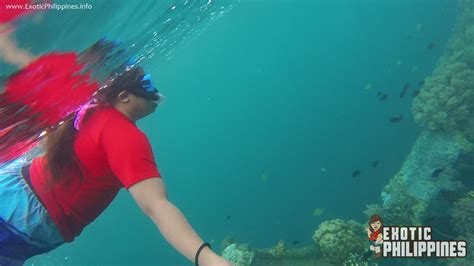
(432, 150)
(336, 239)
(463, 214)
(409, 193)
(244, 255)
(227, 241)
(398, 206)
(372, 209)
(447, 99)
(278, 250)
(238, 255)
(355, 259)
(446, 102)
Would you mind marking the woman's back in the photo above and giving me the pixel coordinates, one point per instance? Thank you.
(113, 152)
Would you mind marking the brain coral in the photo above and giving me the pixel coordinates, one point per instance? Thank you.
(337, 239)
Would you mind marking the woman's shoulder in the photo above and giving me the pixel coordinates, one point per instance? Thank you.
(113, 120)
(112, 115)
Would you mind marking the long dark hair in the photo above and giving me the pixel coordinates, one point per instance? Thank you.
(60, 156)
(374, 218)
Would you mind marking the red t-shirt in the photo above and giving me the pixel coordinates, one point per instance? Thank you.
(374, 235)
(115, 154)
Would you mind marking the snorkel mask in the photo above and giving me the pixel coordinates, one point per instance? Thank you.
(146, 90)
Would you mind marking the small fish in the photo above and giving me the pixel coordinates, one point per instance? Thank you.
(415, 93)
(318, 212)
(228, 217)
(395, 119)
(375, 163)
(295, 242)
(404, 90)
(383, 97)
(421, 83)
(356, 173)
(431, 45)
(437, 172)
(323, 169)
(379, 94)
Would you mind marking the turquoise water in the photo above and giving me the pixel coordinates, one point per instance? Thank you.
(257, 103)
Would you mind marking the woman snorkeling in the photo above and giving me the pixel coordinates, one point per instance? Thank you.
(54, 184)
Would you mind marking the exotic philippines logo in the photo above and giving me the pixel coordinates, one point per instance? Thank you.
(410, 242)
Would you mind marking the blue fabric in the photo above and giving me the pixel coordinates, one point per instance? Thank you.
(15, 245)
(10, 262)
(26, 229)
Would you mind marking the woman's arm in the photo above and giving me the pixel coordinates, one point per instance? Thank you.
(150, 195)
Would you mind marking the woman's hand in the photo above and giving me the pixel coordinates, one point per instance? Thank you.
(212, 259)
(220, 261)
